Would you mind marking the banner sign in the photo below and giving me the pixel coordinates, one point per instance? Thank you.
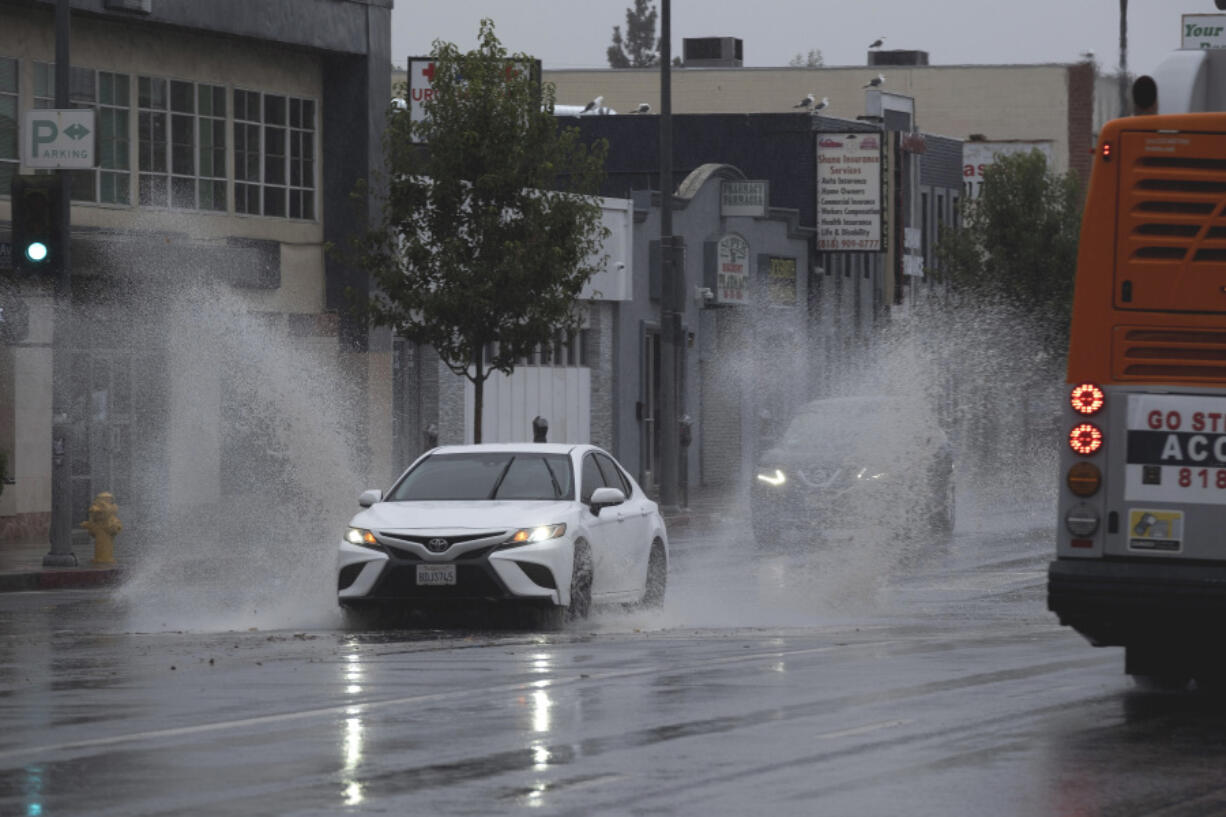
(781, 281)
(1203, 31)
(420, 81)
(732, 270)
(849, 193)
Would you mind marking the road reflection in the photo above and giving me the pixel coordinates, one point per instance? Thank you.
(352, 735)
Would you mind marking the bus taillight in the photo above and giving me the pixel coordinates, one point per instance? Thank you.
(1085, 438)
(1086, 399)
(1106, 151)
(1084, 479)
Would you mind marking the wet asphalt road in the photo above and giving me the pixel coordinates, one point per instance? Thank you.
(864, 681)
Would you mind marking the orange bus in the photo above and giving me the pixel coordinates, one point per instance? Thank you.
(1141, 544)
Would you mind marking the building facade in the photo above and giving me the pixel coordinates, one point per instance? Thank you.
(1051, 102)
(230, 136)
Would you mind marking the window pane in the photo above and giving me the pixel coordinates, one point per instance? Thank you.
(8, 75)
(274, 201)
(274, 110)
(152, 93)
(183, 193)
(82, 85)
(182, 146)
(152, 191)
(181, 97)
(274, 149)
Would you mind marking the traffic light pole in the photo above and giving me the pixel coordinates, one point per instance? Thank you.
(61, 554)
(671, 299)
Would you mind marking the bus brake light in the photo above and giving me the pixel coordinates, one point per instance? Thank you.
(1086, 399)
(1085, 438)
(1106, 151)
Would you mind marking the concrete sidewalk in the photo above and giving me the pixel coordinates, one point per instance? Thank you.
(21, 568)
(21, 565)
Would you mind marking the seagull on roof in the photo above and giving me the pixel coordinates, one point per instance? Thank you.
(821, 105)
(593, 105)
(806, 103)
(877, 43)
(643, 108)
(876, 81)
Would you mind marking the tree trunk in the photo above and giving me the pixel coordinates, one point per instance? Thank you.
(478, 391)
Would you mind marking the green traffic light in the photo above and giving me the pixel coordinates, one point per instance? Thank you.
(36, 251)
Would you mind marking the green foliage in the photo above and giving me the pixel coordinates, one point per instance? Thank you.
(639, 48)
(1018, 243)
(489, 230)
(811, 60)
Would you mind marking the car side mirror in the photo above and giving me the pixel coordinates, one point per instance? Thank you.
(605, 497)
(370, 497)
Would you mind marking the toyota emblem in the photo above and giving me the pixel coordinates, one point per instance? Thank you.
(437, 545)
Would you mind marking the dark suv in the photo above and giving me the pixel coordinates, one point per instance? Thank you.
(850, 463)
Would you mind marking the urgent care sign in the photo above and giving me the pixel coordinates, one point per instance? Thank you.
(421, 82)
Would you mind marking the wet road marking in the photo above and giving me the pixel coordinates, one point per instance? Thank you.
(863, 730)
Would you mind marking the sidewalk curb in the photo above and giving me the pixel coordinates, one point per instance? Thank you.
(64, 578)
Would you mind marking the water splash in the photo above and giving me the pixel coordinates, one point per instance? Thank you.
(264, 463)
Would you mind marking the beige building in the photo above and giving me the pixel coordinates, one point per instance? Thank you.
(1050, 102)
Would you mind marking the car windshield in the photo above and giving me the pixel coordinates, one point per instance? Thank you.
(852, 428)
(487, 475)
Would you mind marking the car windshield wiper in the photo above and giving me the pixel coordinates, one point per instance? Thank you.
(557, 489)
(501, 477)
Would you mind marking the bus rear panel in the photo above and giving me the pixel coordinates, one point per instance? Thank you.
(1141, 543)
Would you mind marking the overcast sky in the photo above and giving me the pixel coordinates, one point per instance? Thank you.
(575, 33)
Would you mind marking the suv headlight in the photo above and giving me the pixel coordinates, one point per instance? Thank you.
(773, 477)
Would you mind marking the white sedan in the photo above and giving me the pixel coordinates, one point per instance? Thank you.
(562, 526)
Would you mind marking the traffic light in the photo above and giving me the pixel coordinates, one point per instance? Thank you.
(39, 224)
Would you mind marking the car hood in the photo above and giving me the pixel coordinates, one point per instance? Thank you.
(460, 516)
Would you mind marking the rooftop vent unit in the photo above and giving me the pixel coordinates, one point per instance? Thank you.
(899, 57)
(712, 52)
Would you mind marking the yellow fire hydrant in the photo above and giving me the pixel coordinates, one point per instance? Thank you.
(103, 525)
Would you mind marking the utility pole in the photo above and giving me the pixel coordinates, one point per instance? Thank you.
(670, 296)
(61, 554)
(1123, 78)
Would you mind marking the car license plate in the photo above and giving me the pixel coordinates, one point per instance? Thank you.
(436, 574)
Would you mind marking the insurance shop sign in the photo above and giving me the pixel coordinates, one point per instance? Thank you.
(849, 192)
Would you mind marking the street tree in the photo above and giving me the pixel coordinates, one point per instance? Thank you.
(489, 228)
(811, 60)
(639, 48)
(1017, 243)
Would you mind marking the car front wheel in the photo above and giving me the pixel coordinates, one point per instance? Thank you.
(657, 577)
(580, 583)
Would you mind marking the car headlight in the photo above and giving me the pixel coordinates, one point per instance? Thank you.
(361, 536)
(530, 536)
(775, 477)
